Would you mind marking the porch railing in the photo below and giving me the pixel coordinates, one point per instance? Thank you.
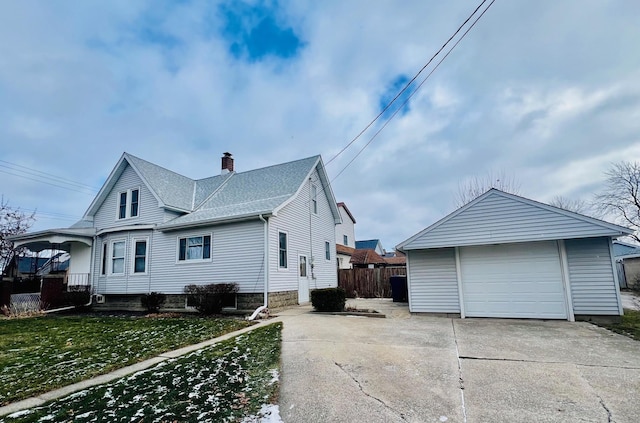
(77, 280)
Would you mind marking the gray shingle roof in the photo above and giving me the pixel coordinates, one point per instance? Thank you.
(173, 189)
(248, 193)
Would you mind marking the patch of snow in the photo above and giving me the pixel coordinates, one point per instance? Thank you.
(19, 414)
(275, 376)
(443, 419)
(269, 413)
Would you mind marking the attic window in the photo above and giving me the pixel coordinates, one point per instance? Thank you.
(132, 197)
(314, 199)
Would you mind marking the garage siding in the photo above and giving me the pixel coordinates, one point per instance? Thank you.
(498, 218)
(593, 289)
(433, 281)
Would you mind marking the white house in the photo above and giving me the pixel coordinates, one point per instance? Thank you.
(270, 230)
(503, 255)
(345, 237)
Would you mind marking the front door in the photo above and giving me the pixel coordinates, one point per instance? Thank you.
(303, 280)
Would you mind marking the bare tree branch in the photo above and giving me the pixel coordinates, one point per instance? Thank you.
(476, 186)
(574, 205)
(621, 196)
(13, 221)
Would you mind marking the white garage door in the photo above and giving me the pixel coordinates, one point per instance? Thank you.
(513, 280)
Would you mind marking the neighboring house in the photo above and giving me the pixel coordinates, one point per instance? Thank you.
(58, 263)
(371, 244)
(628, 263)
(503, 255)
(24, 267)
(343, 254)
(345, 237)
(270, 230)
(367, 258)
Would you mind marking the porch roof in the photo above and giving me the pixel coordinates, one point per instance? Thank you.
(54, 238)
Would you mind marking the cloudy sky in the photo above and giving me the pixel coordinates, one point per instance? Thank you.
(545, 92)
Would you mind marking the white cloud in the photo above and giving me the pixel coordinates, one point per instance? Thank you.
(544, 99)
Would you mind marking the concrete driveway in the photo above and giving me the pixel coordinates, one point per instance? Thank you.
(435, 369)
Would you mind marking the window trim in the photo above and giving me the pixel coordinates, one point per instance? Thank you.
(345, 239)
(314, 199)
(111, 257)
(104, 258)
(128, 204)
(286, 251)
(134, 241)
(327, 251)
(137, 203)
(200, 260)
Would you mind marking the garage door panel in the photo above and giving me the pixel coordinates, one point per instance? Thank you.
(513, 280)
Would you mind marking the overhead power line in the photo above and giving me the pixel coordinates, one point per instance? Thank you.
(404, 103)
(408, 84)
(45, 178)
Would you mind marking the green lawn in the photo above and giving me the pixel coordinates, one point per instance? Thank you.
(231, 381)
(43, 353)
(630, 325)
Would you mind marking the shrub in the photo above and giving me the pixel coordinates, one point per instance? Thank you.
(328, 299)
(153, 301)
(209, 299)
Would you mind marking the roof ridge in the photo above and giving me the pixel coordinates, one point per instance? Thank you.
(215, 191)
(279, 164)
(159, 166)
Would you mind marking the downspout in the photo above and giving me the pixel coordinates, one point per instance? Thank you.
(265, 269)
(265, 266)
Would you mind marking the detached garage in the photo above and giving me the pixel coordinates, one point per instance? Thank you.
(506, 256)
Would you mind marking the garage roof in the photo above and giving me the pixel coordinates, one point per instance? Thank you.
(497, 217)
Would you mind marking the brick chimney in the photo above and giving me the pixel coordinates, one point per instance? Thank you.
(227, 163)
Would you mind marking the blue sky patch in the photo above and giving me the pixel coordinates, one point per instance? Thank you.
(392, 90)
(256, 32)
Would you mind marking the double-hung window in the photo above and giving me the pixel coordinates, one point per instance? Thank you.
(105, 251)
(194, 248)
(345, 240)
(117, 257)
(314, 199)
(131, 197)
(282, 250)
(140, 256)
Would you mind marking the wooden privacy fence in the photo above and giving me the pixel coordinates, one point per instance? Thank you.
(368, 283)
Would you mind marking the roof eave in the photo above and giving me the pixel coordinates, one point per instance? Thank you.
(167, 227)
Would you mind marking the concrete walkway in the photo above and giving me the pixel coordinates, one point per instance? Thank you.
(430, 369)
(117, 374)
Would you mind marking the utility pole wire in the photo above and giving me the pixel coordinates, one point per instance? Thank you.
(40, 174)
(409, 83)
(412, 93)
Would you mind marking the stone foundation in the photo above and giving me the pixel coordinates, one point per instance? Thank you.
(131, 302)
(177, 302)
(282, 299)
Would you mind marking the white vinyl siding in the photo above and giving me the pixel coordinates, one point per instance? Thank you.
(307, 233)
(433, 282)
(591, 277)
(498, 219)
(129, 282)
(345, 231)
(522, 280)
(148, 210)
(236, 256)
